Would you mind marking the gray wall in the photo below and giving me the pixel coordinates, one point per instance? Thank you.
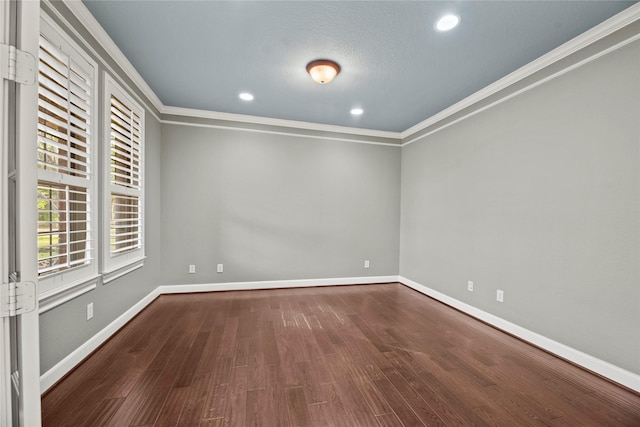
(276, 207)
(538, 196)
(65, 328)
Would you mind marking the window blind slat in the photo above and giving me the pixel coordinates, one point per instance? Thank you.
(65, 89)
(125, 172)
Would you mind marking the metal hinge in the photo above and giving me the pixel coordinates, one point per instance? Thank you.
(17, 66)
(17, 297)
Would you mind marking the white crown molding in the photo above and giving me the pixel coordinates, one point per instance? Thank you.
(84, 15)
(241, 118)
(591, 36)
(287, 133)
(591, 363)
(527, 88)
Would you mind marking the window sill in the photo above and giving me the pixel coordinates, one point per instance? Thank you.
(108, 276)
(55, 297)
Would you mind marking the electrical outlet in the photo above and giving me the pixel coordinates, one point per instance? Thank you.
(500, 295)
(192, 268)
(220, 268)
(470, 286)
(90, 311)
(366, 263)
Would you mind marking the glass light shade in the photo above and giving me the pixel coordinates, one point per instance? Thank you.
(323, 71)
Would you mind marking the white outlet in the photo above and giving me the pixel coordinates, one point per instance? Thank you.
(90, 311)
(192, 268)
(366, 263)
(470, 286)
(500, 295)
(220, 268)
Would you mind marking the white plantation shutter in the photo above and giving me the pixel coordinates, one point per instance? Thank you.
(126, 134)
(65, 159)
(126, 144)
(63, 229)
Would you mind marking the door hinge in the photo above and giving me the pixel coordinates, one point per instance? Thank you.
(17, 66)
(17, 297)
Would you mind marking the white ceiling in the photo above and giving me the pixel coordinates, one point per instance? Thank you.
(395, 66)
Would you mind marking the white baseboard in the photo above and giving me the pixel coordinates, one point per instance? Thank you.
(274, 284)
(54, 374)
(63, 367)
(606, 369)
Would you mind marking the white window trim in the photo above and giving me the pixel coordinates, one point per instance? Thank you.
(55, 288)
(114, 267)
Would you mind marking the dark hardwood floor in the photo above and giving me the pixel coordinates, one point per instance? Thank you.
(346, 356)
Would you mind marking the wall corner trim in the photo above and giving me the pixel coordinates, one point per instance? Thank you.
(588, 362)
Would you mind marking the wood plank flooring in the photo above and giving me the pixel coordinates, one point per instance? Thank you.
(338, 356)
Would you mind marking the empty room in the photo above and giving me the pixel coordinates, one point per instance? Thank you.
(320, 213)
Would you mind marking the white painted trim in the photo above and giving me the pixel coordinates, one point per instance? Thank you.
(591, 36)
(301, 135)
(241, 118)
(274, 284)
(606, 369)
(84, 15)
(111, 275)
(88, 47)
(527, 88)
(591, 363)
(60, 295)
(63, 367)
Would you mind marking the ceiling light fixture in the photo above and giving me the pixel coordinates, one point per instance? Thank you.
(447, 22)
(246, 96)
(357, 111)
(323, 71)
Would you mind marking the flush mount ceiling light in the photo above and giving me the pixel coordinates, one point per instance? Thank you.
(322, 71)
(357, 111)
(447, 22)
(246, 96)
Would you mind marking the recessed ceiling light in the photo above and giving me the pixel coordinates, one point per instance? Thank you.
(357, 111)
(447, 22)
(246, 96)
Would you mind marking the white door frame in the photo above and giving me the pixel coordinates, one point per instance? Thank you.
(27, 380)
(5, 349)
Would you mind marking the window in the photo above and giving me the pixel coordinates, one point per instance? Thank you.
(124, 246)
(66, 153)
